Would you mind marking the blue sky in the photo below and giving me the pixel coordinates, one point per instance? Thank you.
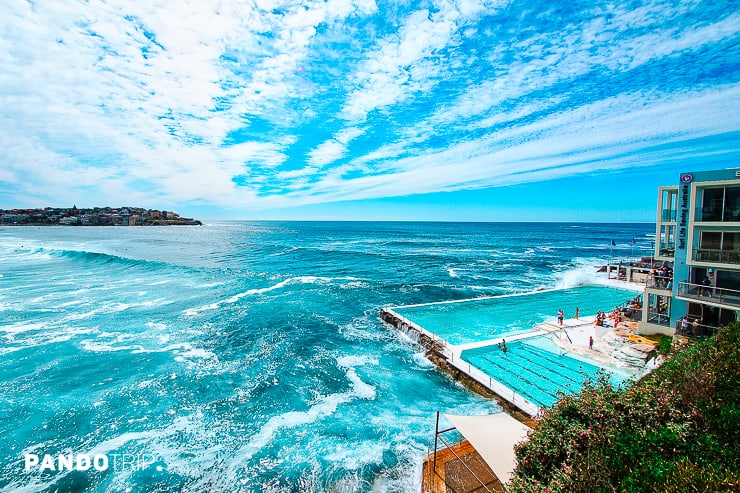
(339, 109)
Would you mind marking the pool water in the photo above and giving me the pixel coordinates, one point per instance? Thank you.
(482, 319)
(536, 368)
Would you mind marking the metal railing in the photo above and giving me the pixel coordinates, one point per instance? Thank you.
(668, 250)
(715, 255)
(658, 281)
(708, 214)
(438, 436)
(700, 292)
(693, 329)
(659, 318)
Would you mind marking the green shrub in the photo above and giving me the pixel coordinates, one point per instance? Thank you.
(677, 429)
(665, 345)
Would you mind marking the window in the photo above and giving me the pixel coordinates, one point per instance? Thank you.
(731, 241)
(711, 240)
(711, 204)
(667, 240)
(732, 204)
(659, 309)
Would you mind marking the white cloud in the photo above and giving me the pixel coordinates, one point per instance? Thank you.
(231, 103)
(333, 149)
(594, 137)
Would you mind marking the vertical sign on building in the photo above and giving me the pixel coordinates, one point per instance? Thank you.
(683, 220)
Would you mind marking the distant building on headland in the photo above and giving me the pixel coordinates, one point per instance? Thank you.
(96, 216)
(695, 286)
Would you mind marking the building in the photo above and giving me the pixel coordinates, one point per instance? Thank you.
(697, 255)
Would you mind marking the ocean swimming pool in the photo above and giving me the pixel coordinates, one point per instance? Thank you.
(537, 369)
(463, 322)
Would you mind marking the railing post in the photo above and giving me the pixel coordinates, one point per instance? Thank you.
(436, 435)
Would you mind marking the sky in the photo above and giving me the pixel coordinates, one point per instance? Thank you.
(423, 110)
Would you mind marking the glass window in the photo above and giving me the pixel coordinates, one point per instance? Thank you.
(727, 316)
(670, 204)
(694, 310)
(732, 204)
(667, 240)
(710, 240)
(728, 279)
(711, 204)
(731, 241)
(659, 309)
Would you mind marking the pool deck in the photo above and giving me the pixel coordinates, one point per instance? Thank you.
(572, 337)
(450, 475)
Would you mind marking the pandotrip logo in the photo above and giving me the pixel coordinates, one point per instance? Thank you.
(88, 462)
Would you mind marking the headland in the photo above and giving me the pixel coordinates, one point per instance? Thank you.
(96, 216)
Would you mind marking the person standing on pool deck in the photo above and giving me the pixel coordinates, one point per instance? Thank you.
(590, 342)
(561, 315)
(576, 313)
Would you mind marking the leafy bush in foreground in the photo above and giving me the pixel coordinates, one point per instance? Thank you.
(675, 430)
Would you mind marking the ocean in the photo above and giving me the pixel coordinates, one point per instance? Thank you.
(249, 356)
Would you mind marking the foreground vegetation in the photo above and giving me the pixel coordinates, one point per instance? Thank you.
(675, 430)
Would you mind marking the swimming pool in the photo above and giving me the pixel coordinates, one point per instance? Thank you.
(489, 318)
(536, 368)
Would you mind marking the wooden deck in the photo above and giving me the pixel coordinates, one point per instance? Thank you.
(452, 477)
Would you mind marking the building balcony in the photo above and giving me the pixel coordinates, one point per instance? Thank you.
(657, 281)
(708, 294)
(716, 256)
(667, 251)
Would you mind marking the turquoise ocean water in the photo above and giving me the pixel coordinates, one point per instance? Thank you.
(249, 356)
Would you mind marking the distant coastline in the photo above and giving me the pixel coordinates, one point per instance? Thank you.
(96, 216)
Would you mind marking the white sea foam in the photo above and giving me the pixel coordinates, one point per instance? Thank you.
(291, 419)
(256, 291)
(70, 303)
(356, 284)
(194, 353)
(106, 307)
(358, 454)
(210, 285)
(100, 347)
(363, 390)
(325, 406)
(451, 272)
(355, 360)
(190, 312)
(422, 361)
(8, 350)
(20, 327)
(584, 274)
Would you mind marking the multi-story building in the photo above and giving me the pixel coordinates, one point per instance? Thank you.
(697, 255)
